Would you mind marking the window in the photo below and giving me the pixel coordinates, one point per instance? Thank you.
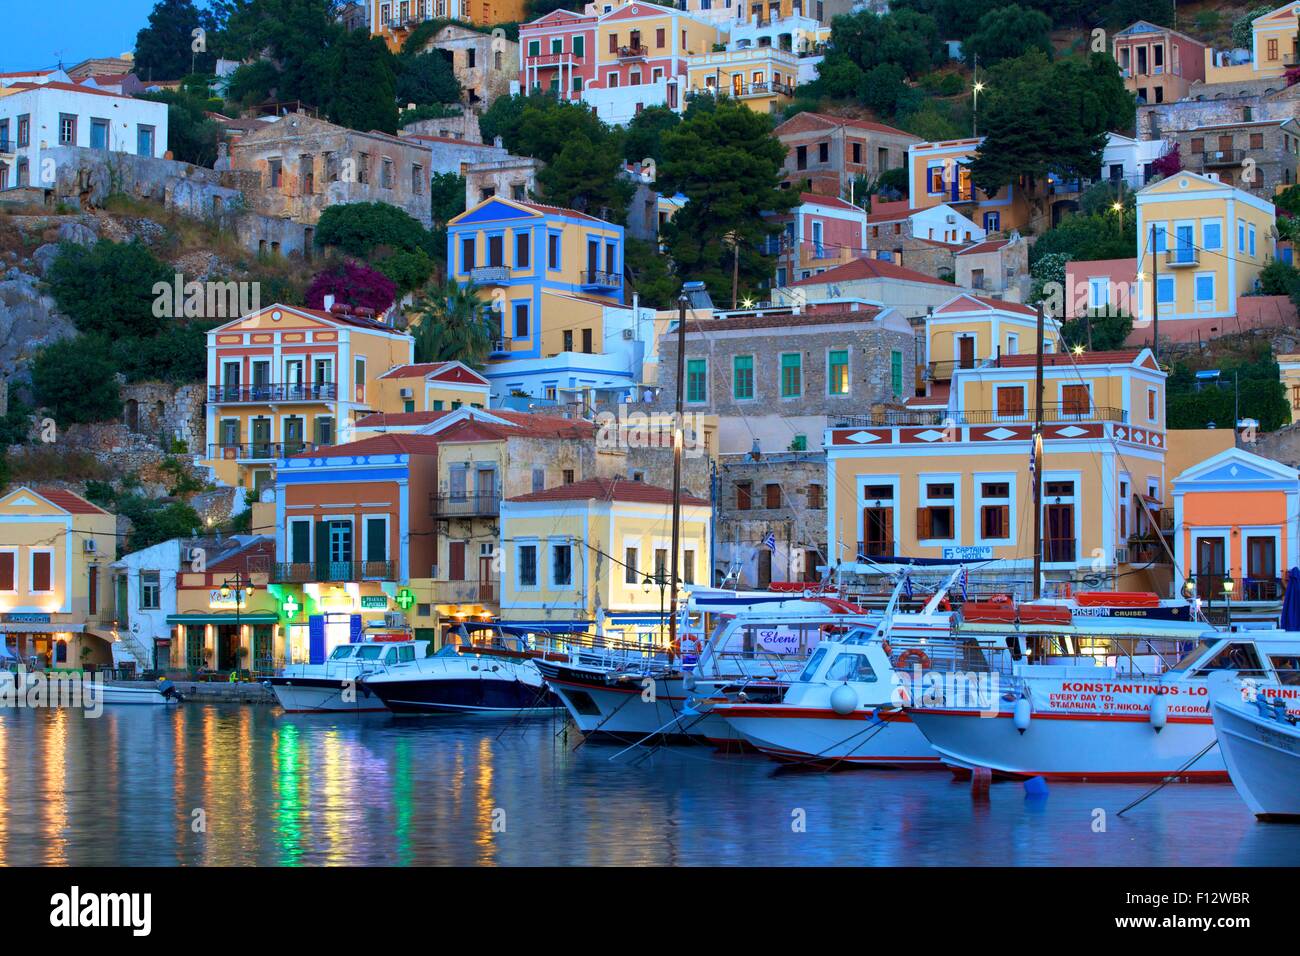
(816, 497)
(67, 129)
(629, 566)
(553, 250)
(1165, 290)
(696, 380)
(613, 43)
(1098, 293)
(150, 591)
(467, 254)
(799, 443)
(1272, 49)
(522, 250)
(24, 131)
(577, 84)
(276, 171)
(1151, 404)
(8, 571)
(896, 373)
(1251, 247)
(579, 46)
(837, 372)
(854, 667)
(1075, 400)
(1211, 234)
(1011, 401)
(144, 140)
(376, 538)
(41, 577)
(660, 38)
(534, 47)
(528, 565)
(539, 479)
(521, 320)
(791, 375)
(744, 495)
(1204, 288)
(772, 495)
(934, 180)
(935, 517)
(688, 566)
(995, 510)
(742, 377)
(567, 476)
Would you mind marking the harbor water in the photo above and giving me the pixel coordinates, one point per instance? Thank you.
(220, 784)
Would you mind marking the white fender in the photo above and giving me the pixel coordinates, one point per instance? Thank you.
(1021, 713)
(1159, 713)
(844, 700)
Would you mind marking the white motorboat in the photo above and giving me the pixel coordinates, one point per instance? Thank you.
(1106, 699)
(1260, 745)
(465, 679)
(335, 685)
(82, 691)
(760, 643)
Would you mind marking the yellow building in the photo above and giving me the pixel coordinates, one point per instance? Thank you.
(761, 77)
(595, 556)
(56, 608)
(1201, 244)
(1289, 367)
(1272, 49)
(955, 482)
(284, 379)
(394, 20)
(431, 387)
(940, 173)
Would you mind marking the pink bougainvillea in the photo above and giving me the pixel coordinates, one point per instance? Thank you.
(352, 284)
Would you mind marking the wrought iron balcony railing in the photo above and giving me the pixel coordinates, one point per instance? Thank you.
(1053, 413)
(468, 505)
(260, 450)
(309, 571)
(273, 392)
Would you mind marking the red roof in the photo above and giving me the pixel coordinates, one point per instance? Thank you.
(988, 245)
(397, 443)
(1120, 357)
(609, 489)
(1002, 305)
(67, 88)
(833, 201)
(860, 124)
(424, 369)
(359, 321)
(939, 392)
(238, 561)
(555, 210)
(384, 419)
(890, 211)
(868, 268)
(522, 425)
(70, 502)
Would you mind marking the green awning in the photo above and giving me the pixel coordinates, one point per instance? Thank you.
(256, 617)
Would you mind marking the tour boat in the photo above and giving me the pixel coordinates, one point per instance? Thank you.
(1260, 745)
(1105, 699)
(761, 642)
(465, 679)
(335, 685)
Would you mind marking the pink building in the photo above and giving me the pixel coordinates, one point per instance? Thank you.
(820, 233)
(1100, 285)
(558, 52)
(1157, 63)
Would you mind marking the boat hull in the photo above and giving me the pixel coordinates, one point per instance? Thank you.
(463, 695)
(1263, 761)
(1059, 746)
(628, 710)
(814, 736)
(304, 695)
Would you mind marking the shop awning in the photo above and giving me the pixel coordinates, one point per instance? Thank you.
(256, 617)
(24, 628)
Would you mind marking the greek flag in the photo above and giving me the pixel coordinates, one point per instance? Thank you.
(907, 584)
(770, 541)
(963, 585)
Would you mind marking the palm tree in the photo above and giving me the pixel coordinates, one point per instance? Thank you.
(452, 323)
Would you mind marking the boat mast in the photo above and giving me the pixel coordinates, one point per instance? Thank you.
(1037, 458)
(677, 469)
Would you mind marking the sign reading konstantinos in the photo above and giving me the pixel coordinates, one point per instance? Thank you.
(969, 552)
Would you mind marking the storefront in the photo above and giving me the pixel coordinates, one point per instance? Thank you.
(320, 616)
(41, 643)
(232, 631)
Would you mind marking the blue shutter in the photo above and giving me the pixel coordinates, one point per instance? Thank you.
(316, 639)
(355, 631)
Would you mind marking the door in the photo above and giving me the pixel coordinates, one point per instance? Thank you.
(1261, 582)
(966, 352)
(294, 436)
(227, 647)
(593, 260)
(1211, 567)
(340, 550)
(485, 487)
(455, 560)
(486, 591)
(1183, 243)
(764, 567)
(878, 532)
(230, 381)
(261, 380)
(293, 379)
(1058, 523)
(261, 438)
(99, 134)
(263, 650)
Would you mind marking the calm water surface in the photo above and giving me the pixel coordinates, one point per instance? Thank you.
(313, 789)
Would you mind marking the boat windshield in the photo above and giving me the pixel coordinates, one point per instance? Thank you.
(813, 664)
(854, 667)
(342, 651)
(1287, 668)
(1196, 654)
(369, 652)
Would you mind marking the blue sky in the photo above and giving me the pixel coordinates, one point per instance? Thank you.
(37, 34)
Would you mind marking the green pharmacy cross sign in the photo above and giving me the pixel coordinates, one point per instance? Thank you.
(290, 607)
(405, 598)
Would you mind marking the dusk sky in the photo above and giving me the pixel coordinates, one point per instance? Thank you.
(38, 35)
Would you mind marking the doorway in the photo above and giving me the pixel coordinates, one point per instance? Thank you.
(1211, 567)
(227, 647)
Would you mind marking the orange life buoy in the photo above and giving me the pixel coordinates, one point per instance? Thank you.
(945, 604)
(692, 646)
(889, 651)
(914, 652)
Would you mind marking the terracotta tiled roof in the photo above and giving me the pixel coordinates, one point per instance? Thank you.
(418, 370)
(868, 268)
(784, 320)
(988, 245)
(861, 124)
(1122, 357)
(70, 502)
(238, 560)
(609, 489)
(832, 201)
(67, 88)
(359, 321)
(522, 425)
(398, 443)
(556, 210)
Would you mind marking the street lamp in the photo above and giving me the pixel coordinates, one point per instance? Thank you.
(1118, 207)
(1227, 593)
(977, 89)
(242, 584)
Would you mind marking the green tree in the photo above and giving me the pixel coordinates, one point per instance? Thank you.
(447, 197)
(108, 288)
(1008, 32)
(452, 323)
(1242, 27)
(362, 87)
(154, 521)
(427, 78)
(1041, 117)
(1279, 278)
(586, 176)
(644, 139)
(650, 274)
(192, 136)
(294, 35)
(164, 49)
(361, 227)
(407, 270)
(1100, 331)
(884, 89)
(254, 83)
(75, 379)
(728, 166)
(905, 38)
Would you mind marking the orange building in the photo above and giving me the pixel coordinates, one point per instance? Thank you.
(1235, 521)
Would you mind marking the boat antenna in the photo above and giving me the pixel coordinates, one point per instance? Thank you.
(683, 300)
(1036, 460)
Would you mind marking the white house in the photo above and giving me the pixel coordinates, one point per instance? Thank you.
(941, 223)
(1129, 160)
(39, 116)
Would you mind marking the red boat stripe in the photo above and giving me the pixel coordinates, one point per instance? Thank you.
(1130, 718)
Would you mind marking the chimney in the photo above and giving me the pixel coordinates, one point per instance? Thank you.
(498, 142)
(329, 303)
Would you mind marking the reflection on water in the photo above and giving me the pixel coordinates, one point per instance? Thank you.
(247, 785)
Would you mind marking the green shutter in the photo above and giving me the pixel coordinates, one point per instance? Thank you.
(579, 47)
(742, 377)
(322, 544)
(376, 540)
(695, 380)
(300, 552)
(791, 377)
(896, 372)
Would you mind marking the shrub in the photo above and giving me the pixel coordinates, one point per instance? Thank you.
(358, 228)
(107, 288)
(75, 379)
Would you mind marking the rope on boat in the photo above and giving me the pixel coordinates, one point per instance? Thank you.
(877, 726)
(1171, 778)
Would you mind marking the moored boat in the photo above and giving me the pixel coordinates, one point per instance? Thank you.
(465, 679)
(1260, 744)
(335, 685)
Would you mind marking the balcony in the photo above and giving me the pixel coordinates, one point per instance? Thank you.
(592, 279)
(272, 392)
(1183, 258)
(633, 52)
(1146, 550)
(466, 592)
(1058, 550)
(260, 450)
(942, 371)
(1053, 413)
(543, 60)
(1210, 158)
(344, 571)
(772, 88)
(485, 505)
(1211, 587)
(490, 275)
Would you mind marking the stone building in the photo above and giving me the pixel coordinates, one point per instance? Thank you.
(451, 155)
(484, 64)
(827, 152)
(461, 126)
(514, 177)
(776, 376)
(996, 266)
(307, 165)
(1258, 157)
(1208, 104)
(782, 495)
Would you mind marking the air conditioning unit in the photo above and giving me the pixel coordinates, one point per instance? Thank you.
(628, 334)
(950, 218)
(88, 546)
(408, 393)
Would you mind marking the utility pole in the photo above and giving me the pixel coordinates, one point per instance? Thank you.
(1037, 458)
(682, 302)
(1155, 297)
